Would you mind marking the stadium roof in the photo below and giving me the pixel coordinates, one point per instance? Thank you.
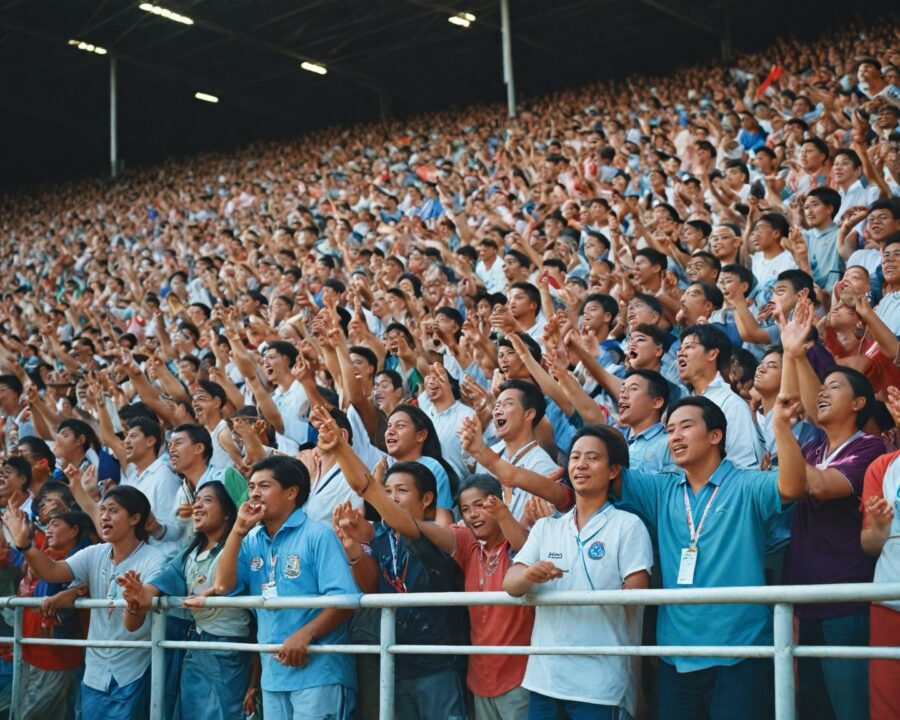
(399, 54)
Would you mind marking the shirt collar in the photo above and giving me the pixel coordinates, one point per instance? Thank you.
(719, 474)
(648, 433)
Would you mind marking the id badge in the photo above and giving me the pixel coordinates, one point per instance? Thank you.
(687, 566)
(269, 590)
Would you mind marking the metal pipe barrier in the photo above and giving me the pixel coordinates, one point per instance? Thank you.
(782, 651)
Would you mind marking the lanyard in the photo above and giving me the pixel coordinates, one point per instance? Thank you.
(514, 460)
(827, 461)
(695, 532)
(320, 486)
(582, 543)
(396, 579)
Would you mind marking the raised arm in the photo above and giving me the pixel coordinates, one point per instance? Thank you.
(52, 571)
(226, 568)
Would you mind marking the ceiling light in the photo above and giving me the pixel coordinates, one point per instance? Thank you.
(206, 97)
(314, 68)
(463, 19)
(88, 47)
(166, 13)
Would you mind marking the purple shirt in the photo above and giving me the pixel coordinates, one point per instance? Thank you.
(825, 545)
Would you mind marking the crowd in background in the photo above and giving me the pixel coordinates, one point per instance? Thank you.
(647, 333)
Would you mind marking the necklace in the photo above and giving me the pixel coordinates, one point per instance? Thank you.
(488, 563)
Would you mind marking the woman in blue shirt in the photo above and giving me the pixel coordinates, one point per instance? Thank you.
(213, 682)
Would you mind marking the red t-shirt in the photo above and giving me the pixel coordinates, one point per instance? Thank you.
(492, 675)
(35, 625)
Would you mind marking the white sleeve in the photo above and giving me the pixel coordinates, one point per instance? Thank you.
(743, 445)
(83, 561)
(531, 550)
(635, 548)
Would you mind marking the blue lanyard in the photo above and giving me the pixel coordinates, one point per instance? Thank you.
(582, 543)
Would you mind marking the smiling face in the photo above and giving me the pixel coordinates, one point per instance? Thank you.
(635, 402)
(401, 439)
(401, 488)
(690, 441)
(206, 408)
(137, 445)
(890, 263)
(275, 365)
(115, 522)
(208, 514)
(471, 507)
(275, 500)
(843, 171)
(835, 401)
(589, 468)
(510, 416)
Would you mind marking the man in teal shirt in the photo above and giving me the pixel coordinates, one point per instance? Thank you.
(711, 525)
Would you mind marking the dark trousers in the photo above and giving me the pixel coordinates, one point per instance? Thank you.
(723, 692)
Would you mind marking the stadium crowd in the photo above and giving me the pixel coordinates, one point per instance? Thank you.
(644, 334)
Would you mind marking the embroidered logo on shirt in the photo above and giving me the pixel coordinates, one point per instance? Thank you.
(256, 563)
(597, 550)
(554, 556)
(292, 566)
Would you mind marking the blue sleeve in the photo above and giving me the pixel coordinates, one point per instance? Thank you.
(242, 581)
(763, 488)
(333, 575)
(640, 495)
(170, 580)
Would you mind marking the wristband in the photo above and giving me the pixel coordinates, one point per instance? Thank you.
(25, 549)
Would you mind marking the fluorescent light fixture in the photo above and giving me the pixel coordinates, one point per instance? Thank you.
(166, 13)
(314, 68)
(463, 19)
(206, 97)
(88, 47)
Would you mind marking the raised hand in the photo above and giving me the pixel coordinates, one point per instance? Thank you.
(16, 521)
(535, 509)
(133, 592)
(329, 433)
(794, 334)
(471, 436)
(786, 409)
(880, 512)
(249, 516)
(494, 507)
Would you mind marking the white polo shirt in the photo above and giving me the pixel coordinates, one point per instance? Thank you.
(447, 423)
(534, 458)
(611, 546)
(161, 486)
(94, 566)
(291, 403)
(743, 443)
(328, 491)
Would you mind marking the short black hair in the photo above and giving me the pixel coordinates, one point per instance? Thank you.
(21, 466)
(744, 274)
(657, 385)
(12, 382)
(712, 294)
(850, 154)
(860, 386)
(713, 417)
(616, 447)
(532, 398)
(199, 435)
(654, 332)
(422, 476)
(711, 338)
(799, 280)
(607, 302)
(282, 347)
(654, 257)
(215, 391)
(650, 301)
(534, 295)
(365, 352)
(149, 428)
(829, 197)
(529, 341)
(39, 449)
(777, 221)
(393, 376)
(519, 257)
(487, 484)
(134, 502)
(80, 429)
(288, 472)
(819, 143)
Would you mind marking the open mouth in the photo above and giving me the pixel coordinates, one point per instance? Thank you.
(476, 524)
(500, 422)
(822, 405)
(105, 528)
(682, 363)
(679, 449)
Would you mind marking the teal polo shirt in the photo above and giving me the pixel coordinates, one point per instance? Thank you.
(732, 548)
(648, 451)
(309, 561)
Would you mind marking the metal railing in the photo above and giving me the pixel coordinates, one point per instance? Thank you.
(782, 651)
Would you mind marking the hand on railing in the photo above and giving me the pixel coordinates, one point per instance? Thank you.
(295, 650)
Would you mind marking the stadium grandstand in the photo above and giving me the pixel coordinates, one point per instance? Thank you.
(401, 359)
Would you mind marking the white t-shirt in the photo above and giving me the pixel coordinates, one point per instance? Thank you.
(766, 270)
(94, 566)
(535, 459)
(611, 546)
(887, 569)
(327, 492)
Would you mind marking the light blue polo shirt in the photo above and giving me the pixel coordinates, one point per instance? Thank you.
(309, 561)
(648, 451)
(731, 549)
(824, 260)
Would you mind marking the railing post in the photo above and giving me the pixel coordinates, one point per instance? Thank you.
(386, 665)
(16, 690)
(785, 700)
(157, 665)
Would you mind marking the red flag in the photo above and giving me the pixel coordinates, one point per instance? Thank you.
(773, 76)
